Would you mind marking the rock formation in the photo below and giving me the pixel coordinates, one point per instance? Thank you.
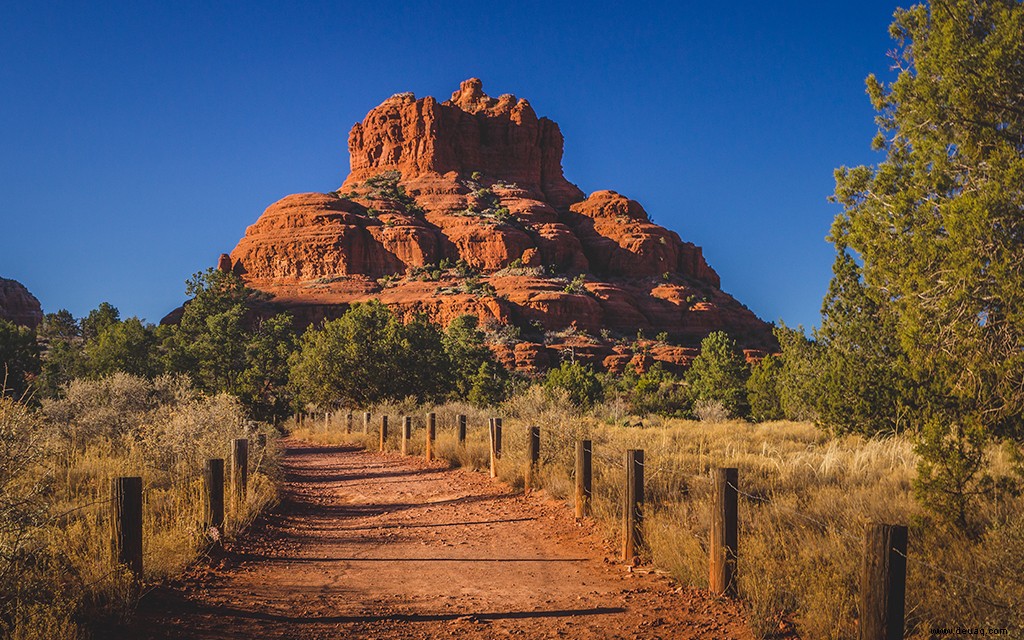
(18, 305)
(461, 207)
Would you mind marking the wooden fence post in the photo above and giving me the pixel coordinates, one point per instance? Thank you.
(462, 430)
(723, 550)
(366, 422)
(532, 454)
(406, 434)
(127, 521)
(584, 477)
(239, 471)
(497, 437)
(633, 514)
(883, 584)
(431, 433)
(383, 431)
(348, 422)
(213, 476)
(493, 447)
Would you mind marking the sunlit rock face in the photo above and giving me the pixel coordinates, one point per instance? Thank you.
(461, 207)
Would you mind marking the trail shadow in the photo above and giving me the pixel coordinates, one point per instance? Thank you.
(224, 612)
(435, 524)
(250, 556)
(293, 505)
(297, 476)
(311, 449)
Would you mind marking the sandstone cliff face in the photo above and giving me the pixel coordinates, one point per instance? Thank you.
(18, 305)
(461, 207)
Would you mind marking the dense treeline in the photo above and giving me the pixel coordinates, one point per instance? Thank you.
(368, 355)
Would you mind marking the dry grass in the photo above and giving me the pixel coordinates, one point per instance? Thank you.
(59, 575)
(805, 503)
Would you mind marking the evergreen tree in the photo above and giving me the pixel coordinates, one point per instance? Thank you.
(19, 359)
(467, 353)
(99, 319)
(939, 227)
(129, 346)
(861, 386)
(62, 360)
(799, 374)
(366, 356)
(489, 386)
(763, 390)
(263, 384)
(719, 374)
(578, 381)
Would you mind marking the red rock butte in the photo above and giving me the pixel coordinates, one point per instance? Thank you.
(461, 207)
(19, 306)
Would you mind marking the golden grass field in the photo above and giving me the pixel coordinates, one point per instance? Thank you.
(806, 498)
(57, 574)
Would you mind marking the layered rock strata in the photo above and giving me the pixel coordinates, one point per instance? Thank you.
(461, 207)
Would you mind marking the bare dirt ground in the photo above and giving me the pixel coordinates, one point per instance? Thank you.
(365, 545)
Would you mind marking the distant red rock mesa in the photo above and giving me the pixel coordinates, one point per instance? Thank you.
(460, 207)
(19, 306)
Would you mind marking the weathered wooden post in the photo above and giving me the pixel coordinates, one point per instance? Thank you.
(633, 514)
(883, 584)
(462, 430)
(127, 522)
(497, 437)
(213, 476)
(348, 422)
(723, 550)
(493, 447)
(406, 434)
(366, 422)
(239, 471)
(532, 454)
(584, 477)
(431, 434)
(383, 431)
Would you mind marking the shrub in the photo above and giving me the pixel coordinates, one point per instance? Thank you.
(577, 286)
(578, 381)
(658, 391)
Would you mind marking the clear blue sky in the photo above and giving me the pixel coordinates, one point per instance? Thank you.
(139, 141)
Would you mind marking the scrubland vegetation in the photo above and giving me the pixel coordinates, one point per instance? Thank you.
(58, 577)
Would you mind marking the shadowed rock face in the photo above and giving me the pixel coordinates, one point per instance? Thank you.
(18, 305)
(475, 184)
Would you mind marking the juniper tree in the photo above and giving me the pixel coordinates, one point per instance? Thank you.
(939, 228)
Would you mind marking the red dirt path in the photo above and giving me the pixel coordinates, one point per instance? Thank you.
(365, 545)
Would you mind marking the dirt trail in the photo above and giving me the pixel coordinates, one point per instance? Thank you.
(366, 545)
